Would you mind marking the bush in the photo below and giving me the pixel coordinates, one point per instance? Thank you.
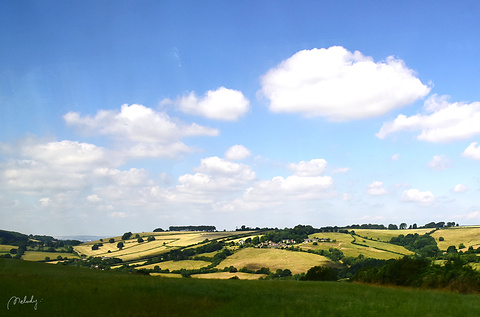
(263, 270)
(321, 273)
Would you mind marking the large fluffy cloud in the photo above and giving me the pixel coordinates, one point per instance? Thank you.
(340, 85)
(149, 133)
(220, 104)
(414, 195)
(216, 175)
(441, 122)
(67, 154)
(292, 187)
(46, 168)
(66, 175)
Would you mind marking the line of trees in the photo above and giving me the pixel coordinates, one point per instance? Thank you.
(192, 228)
(424, 245)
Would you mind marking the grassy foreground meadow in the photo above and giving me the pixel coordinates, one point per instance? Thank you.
(59, 290)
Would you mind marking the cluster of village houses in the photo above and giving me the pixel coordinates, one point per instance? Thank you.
(284, 243)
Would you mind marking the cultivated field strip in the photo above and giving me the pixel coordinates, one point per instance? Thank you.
(255, 259)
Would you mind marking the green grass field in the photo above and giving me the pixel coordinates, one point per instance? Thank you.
(70, 291)
(177, 265)
(255, 259)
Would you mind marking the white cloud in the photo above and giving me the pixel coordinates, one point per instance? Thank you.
(45, 202)
(460, 188)
(395, 157)
(94, 198)
(414, 195)
(347, 197)
(117, 214)
(221, 104)
(293, 187)
(340, 85)
(341, 170)
(66, 154)
(237, 152)
(470, 215)
(129, 178)
(313, 167)
(439, 163)
(141, 131)
(472, 151)
(40, 178)
(216, 175)
(441, 121)
(473, 215)
(376, 189)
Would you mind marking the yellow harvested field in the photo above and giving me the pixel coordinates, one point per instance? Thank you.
(228, 275)
(40, 256)
(164, 242)
(387, 235)
(254, 259)
(177, 265)
(469, 236)
(6, 248)
(246, 237)
(131, 251)
(343, 242)
(173, 275)
(211, 254)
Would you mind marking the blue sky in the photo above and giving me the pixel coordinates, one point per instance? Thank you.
(131, 115)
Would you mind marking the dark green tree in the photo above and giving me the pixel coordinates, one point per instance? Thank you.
(321, 273)
(126, 235)
(452, 249)
(120, 245)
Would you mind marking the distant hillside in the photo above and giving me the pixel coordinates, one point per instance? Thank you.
(84, 238)
(12, 238)
(18, 239)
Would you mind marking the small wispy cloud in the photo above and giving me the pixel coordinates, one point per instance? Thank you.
(376, 189)
(439, 163)
(460, 188)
